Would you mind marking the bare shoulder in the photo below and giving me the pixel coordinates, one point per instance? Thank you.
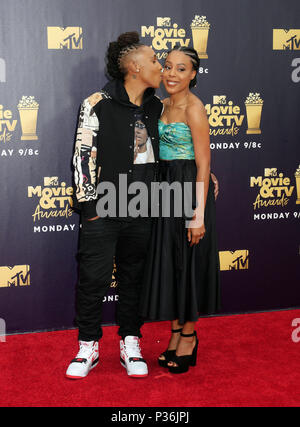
(94, 98)
(195, 107)
(196, 115)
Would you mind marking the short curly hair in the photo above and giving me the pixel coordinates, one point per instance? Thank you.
(117, 52)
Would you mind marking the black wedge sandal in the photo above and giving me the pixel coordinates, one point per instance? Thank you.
(184, 362)
(168, 354)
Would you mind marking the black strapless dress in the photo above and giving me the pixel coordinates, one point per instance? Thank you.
(181, 282)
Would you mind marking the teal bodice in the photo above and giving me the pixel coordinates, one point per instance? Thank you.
(175, 141)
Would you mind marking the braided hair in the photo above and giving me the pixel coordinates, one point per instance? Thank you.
(117, 52)
(195, 60)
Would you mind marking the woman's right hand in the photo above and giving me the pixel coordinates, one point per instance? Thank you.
(195, 234)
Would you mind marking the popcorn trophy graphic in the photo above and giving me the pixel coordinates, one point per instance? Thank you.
(28, 110)
(253, 109)
(200, 29)
(297, 177)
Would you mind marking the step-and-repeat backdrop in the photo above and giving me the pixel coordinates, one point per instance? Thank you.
(52, 57)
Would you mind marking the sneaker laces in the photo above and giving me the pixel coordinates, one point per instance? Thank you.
(85, 349)
(132, 346)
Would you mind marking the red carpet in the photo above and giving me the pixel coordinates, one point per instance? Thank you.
(243, 360)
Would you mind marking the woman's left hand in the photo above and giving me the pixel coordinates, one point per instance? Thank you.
(194, 235)
(216, 184)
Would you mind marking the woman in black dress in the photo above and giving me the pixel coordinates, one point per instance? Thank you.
(182, 275)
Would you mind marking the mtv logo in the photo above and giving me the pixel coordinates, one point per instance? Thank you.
(2, 71)
(163, 22)
(234, 260)
(18, 275)
(286, 39)
(50, 181)
(219, 99)
(270, 171)
(64, 38)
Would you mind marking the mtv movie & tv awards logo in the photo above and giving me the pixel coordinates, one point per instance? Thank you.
(27, 118)
(275, 191)
(54, 201)
(165, 35)
(226, 119)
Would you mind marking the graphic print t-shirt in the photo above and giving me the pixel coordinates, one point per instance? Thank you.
(143, 158)
(143, 150)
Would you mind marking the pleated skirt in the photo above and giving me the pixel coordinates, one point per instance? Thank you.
(181, 282)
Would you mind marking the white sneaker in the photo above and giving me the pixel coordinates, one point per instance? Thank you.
(131, 357)
(86, 359)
